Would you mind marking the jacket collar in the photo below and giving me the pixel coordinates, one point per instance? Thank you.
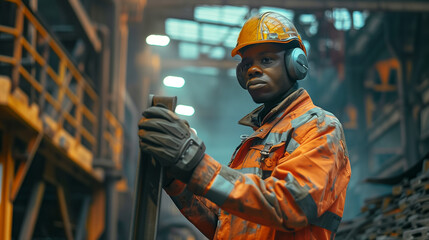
(252, 119)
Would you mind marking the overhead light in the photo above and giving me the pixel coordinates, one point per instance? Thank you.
(172, 81)
(185, 110)
(158, 40)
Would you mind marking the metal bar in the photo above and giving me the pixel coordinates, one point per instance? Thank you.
(64, 87)
(53, 75)
(32, 36)
(17, 48)
(9, 30)
(88, 136)
(32, 212)
(69, 118)
(88, 114)
(108, 137)
(148, 188)
(73, 98)
(111, 229)
(79, 104)
(91, 93)
(103, 89)
(111, 119)
(61, 72)
(74, 123)
(96, 110)
(41, 60)
(19, 178)
(53, 102)
(113, 137)
(79, 78)
(391, 6)
(86, 24)
(64, 212)
(175, 63)
(13, 1)
(7, 174)
(42, 77)
(33, 145)
(61, 79)
(33, 52)
(82, 221)
(29, 78)
(96, 219)
(7, 59)
(42, 31)
(122, 71)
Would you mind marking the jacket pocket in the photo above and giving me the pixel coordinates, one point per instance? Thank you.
(268, 155)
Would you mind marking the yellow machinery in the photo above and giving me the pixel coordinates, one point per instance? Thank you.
(49, 134)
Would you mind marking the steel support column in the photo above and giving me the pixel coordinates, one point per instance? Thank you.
(6, 179)
(32, 212)
(111, 209)
(82, 221)
(390, 6)
(407, 123)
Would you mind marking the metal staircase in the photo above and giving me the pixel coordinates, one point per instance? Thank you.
(50, 134)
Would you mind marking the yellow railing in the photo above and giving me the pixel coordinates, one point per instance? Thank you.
(113, 134)
(63, 93)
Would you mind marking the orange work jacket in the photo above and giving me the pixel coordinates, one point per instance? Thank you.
(287, 180)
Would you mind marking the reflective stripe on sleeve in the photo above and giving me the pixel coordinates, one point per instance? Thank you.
(298, 192)
(253, 170)
(220, 190)
(222, 185)
(327, 220)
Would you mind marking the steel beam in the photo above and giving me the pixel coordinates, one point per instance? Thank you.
(6, 179)
(64, 212)
(176, 63)
(85, 23)
(111, 229)
(32, 212)
(33, 146)
(390, 6)
(17, 48)
(82, 221)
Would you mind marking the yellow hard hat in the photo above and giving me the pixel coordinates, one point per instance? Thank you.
(269, 27)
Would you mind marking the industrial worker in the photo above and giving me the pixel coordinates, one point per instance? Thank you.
(288, 179)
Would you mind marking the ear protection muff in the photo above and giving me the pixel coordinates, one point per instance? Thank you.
(239, 73)
(296, 65)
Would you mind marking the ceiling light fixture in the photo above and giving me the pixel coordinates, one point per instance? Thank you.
(158, 40)
(172, 81)
(185, 110)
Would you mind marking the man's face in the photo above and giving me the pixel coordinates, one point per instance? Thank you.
(264, 73)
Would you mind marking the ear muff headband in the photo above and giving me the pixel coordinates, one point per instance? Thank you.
(296, 65)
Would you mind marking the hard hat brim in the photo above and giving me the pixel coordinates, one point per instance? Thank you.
(237, 49)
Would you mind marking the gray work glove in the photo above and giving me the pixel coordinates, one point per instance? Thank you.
(170, 141)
